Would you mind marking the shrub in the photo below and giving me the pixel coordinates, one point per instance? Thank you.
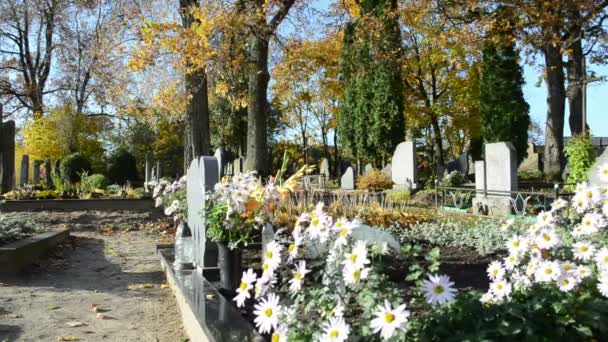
(122, 167)
(47, 194)
(374, 181)
(73, 165)
(454, 179)
(98, 181)
(580, 158)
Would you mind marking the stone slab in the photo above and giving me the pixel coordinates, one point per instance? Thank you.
(16, 255)
(403, 170)
(206, 314)
(113, 204)
(501, 166)
(347, 182)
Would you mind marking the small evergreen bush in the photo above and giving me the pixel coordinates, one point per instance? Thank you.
(73, 165)
(122, 167)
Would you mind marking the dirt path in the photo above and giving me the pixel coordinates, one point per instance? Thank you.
(107, 255)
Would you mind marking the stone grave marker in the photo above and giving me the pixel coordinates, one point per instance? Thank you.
(7, 155)
(220, 165)
(37, 164)
(500, 178)
(480, 176)
(403, 169)
(593, 173)
(460, 164)
(324, 168)
(368, 168)
(25, 170)
(347, 182)
(532, 161)
(48, 169)
(202, 176)
(387, 170)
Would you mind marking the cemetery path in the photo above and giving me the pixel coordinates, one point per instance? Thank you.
(109, 261)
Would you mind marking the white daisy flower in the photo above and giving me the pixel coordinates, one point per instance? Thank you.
(343, 228)
(358, 256)
(545, 219)
(601, 259)
(516, 244)
(547, 271)
(567, 282)
(243, 291)
(353, 274)
(267, 314)
(511, 262)
(338, 310)
(583, 272)
(295, 284)
(583, 250)
(272, 256)
(294, 249)
(496, 270)
(438, 289)
(501, 288)
(592, 194)
(488, 298)
(580, 203)
(547, 238)
(559, 204)
(336, 330)
(589, 224)
(603, 172)
(533, 229)
(389, 319)
(602, 285)
(280, 334)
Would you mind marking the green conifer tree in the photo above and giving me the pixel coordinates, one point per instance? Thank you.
(503, 109)
(371, 119)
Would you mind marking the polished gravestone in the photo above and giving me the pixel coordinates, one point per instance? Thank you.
(347, 182)
(403, 170)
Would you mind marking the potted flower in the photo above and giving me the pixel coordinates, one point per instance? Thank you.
(237, 210)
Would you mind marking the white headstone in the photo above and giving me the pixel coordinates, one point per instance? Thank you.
(403, 168)
(324, 168)
(501, 166)
(480, 176)
(347, 182)
(368, 168)
(202, 176)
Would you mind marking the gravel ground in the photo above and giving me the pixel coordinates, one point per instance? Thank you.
(109, 261)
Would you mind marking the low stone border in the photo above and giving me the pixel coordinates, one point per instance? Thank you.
(16, 255)
(110, 204)
(206, 314)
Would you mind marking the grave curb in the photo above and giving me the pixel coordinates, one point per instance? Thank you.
(18, 254)
(195, 329)
(113, 204)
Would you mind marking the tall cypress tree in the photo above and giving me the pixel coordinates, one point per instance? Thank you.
(504, 111)
(371, 121)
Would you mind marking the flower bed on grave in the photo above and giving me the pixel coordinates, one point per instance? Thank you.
(12, 229)
(333, 279)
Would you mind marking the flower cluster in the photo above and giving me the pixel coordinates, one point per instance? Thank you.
(321, 258)
(565, 248)
(171, 195)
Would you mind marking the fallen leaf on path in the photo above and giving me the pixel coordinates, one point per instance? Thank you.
(102, 316)
(140, 286)
(164, 286)
(75, 324)
(68, 338)
(55, 307)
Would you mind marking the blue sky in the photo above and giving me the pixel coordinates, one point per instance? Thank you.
(597, 101)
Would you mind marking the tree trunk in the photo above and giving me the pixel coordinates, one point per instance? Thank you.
(556, 96)
(197, 115)
(257, 105)
(336, 171)
(197, 112)
(438, 145)
(576, 76)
